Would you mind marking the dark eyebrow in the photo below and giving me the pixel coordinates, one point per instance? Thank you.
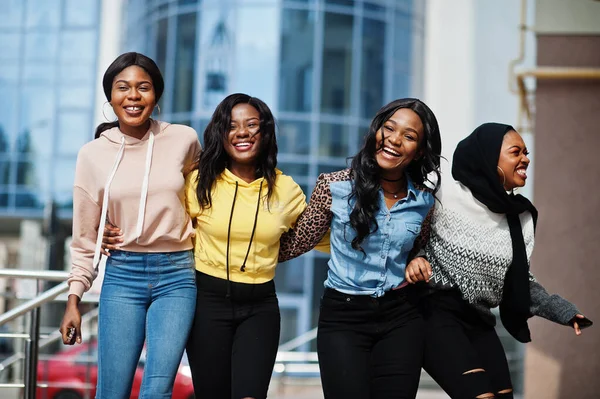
(140, 83)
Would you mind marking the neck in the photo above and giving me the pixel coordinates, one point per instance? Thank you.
(245, 172)
(135, 131)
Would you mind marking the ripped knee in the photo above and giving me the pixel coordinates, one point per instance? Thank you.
(505, 394)
(474, 371)
(478, 383)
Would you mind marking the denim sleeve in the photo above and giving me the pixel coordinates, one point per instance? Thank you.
(550, 307)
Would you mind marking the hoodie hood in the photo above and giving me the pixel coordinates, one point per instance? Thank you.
(228, 177)
(115, 135)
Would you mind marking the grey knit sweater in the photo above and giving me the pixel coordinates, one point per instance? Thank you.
(469, 249)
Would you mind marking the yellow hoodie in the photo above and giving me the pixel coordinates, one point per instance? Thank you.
(212, 225)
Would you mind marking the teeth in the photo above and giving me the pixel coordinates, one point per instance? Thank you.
(522, 172)
(243, 145)
(133, 108)
(390, 151)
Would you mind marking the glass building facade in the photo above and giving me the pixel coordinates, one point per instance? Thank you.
(323, 66)
(48, 58)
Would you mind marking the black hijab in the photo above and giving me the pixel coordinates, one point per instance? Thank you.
(475, 164)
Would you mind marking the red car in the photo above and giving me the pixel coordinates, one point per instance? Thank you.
(66, 373)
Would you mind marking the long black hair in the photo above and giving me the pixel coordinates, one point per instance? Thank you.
(214, 159)
(366, 171)
(124, 61)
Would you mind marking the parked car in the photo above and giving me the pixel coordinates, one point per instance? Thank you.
(66, 373)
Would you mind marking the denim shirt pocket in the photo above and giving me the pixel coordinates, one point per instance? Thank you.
(412, 231)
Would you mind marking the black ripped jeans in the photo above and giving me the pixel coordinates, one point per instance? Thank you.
(369, 348)
(457, 341)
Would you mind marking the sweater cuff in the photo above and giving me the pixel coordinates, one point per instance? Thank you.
(77, 288)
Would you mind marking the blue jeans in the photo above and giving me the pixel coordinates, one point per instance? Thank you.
(145, 296)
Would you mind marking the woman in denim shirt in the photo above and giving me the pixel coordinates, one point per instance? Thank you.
(370, 339)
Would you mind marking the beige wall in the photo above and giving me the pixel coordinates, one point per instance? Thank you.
(568, 17)
(567, 193)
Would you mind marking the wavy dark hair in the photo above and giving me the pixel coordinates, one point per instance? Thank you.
(123, 61)
(214, 159)
(366, 171)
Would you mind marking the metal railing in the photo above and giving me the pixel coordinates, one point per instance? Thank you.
(33, 308)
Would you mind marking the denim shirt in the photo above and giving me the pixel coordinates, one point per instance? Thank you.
(381, 267)
(387, 249)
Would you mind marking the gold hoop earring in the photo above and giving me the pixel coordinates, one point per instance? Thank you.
(103, 114)
(503, 176)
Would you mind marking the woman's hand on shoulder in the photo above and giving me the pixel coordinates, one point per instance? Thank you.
(417, 270)
(112, 239)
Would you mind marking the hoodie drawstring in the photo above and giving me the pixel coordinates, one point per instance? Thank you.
(143, 196)
(144, 193)
(104, 212)
(243, 267)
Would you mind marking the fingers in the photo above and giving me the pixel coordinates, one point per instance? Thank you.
(111, 239)
(419, 269)
(577, 329)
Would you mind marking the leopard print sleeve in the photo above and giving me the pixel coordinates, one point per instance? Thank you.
(311, 226)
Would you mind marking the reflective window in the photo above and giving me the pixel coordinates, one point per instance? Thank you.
(10, 46)
(340, 2)
(41, 46)
(72, 94)
(294, 137)
(33, 174)
(29, 198)
(12, 13)
(375, 6)
(337, 64)
(290, 276)
(37, 124)
(293, 169)
(256, 52)
(8, 116)
(402, 55)
(73, 132)
(9, 72)
(4, 167)
(289, 323)
(39, 73)
(334, 140)
(185, 57)
(75, 72)
(373, 67)
(161, 44)
(64, 173)
(43, 14)
(78, 45)
(330, 168)
(296, 63)
(80, 12)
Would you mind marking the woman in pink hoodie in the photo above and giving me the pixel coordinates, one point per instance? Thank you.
(132, 176)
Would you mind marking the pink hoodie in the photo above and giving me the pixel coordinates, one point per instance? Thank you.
(146, 196)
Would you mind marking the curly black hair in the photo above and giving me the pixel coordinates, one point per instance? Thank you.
(214, 159)
(366, 171)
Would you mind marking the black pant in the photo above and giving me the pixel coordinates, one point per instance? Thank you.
(369, 348)
(457, 341)
(234, 338)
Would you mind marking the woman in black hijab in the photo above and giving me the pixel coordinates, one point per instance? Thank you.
(474, 256)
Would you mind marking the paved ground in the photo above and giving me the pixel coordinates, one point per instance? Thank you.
(314, 392)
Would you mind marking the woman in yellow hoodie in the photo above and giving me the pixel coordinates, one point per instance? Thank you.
(240, 205)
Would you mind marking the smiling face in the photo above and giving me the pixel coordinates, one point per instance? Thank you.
(242, 143)
(133, 100)
(513, 161)
(398, 142)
